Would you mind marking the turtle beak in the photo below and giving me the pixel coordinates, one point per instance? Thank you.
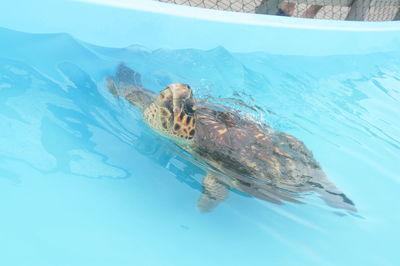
(182, 98)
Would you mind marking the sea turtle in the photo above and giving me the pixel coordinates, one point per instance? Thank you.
(240, 152)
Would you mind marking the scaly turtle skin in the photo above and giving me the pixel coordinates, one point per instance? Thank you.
(241, 153)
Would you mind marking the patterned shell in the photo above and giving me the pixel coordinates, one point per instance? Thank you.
(251, 149)
(250, 152)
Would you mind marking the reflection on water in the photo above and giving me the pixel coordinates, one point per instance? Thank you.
(53, 125)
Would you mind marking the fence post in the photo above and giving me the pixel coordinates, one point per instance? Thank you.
(359, 10)
(270, 7)
(397, 17)
(312, 11)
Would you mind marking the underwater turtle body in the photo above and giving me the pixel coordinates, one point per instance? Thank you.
(242, 153)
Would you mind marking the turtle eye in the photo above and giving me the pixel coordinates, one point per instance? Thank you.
(190, 90)
(188, 108)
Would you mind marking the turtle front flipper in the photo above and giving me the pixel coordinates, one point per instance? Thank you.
(214, 192)
(127, 83)
(112, 87)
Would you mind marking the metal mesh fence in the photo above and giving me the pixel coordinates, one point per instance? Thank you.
(367, 10)
(248, 6)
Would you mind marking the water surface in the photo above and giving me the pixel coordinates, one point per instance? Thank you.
(83, 181)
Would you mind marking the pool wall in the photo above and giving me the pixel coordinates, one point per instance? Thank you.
(160, 25)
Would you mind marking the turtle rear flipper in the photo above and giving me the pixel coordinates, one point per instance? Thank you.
(214, 192)
(338, 200)
(332, 195)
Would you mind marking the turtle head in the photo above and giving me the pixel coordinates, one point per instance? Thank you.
(172, 112)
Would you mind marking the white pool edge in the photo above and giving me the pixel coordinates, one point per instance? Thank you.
(247, 18)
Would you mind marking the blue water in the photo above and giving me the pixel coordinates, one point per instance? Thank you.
(83, 181)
